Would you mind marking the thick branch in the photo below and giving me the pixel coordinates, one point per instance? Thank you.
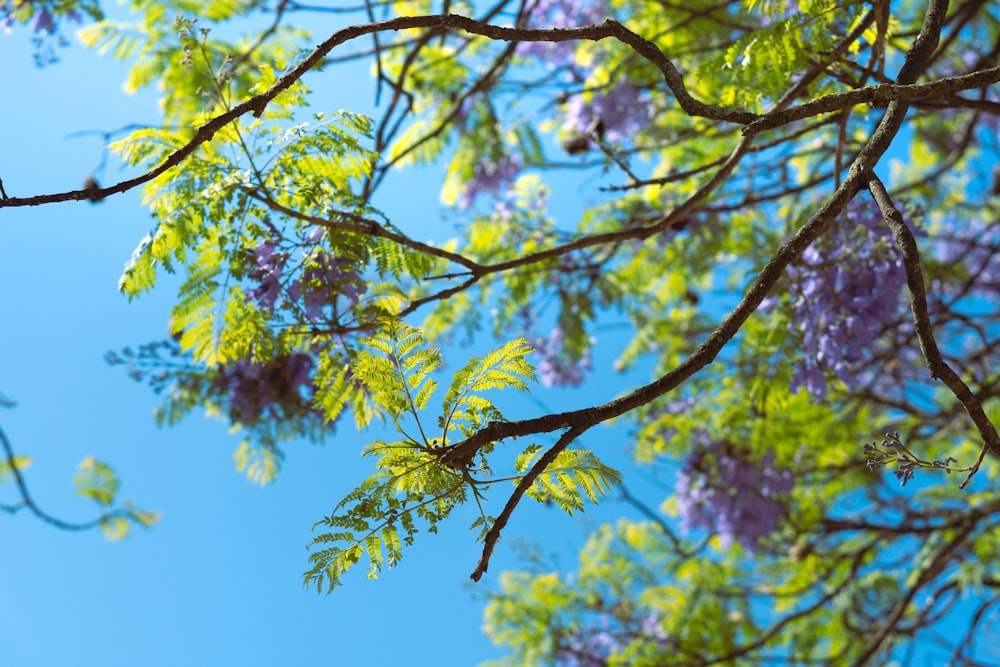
(462, 454)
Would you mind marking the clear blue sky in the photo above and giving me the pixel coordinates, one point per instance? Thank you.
(217, 581)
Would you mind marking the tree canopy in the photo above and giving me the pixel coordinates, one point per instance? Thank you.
(786, 212)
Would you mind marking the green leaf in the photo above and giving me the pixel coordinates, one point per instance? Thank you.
(96, 480)
(260, 464)
(398, 376)
(502, 368)
(115, 528)
(575, 474)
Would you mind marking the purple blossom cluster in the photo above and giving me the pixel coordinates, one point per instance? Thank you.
(651, 627)
(587, 646)
(45, 17)
(586, 650)
(490, 176)
(723, 491)
(269, 266)
(512, 204)
(680, 407)
(615, 113)
(323, 279)
(846, 289)
(549, 14)
(277, 387)
(557, 367)
(593, 645)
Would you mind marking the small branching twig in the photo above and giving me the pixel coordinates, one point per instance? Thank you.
(892, 450)
(12, 464)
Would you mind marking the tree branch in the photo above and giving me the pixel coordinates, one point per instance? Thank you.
(938, 367)
(257, 104)
(462, 454)
(28, 502)
(489, 542)
(878, 95)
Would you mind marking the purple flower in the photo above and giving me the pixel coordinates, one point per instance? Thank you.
(621, 111)
(325, 278)
(315, 234)
(276, 387)
(7, 16)
(588, 646)
(44, 22)
(44, 18)
(557, 368)
(549, 14)
(723, 491)
(490, 176)
(269, 267)
(846, 289)
(810, 376)
(651, 627)
(680, 407)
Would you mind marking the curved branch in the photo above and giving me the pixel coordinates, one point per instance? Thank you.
(27, 502)
(938, 367)
(256, 105)
(462, 454)
(489, 542)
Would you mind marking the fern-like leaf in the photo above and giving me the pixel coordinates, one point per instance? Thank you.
(575, 474)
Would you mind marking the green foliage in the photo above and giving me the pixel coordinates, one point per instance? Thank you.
(96, 480)
(260, 464)
(168, 49)
(396, 371)
(505, 367)
(408, 486)
(411, 487)
(572, 475)
(234, 195)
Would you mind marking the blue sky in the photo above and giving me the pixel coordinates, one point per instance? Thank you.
(217, 581)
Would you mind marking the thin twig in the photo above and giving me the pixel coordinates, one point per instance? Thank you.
(28, 502)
